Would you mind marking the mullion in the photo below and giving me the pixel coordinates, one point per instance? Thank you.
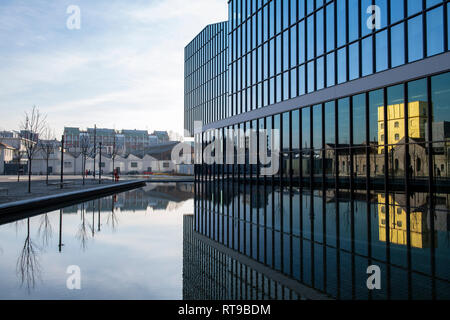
(407, 192)
(431, 188)
(387, 202)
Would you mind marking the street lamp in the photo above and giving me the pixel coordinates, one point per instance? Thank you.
(100, 163)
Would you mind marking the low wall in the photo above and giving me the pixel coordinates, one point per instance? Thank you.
(17, 210)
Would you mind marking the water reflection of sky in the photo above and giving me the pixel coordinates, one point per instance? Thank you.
(137, 254)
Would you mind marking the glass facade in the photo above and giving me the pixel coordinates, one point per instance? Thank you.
(205, 76)
(363, 174)
(281, 49)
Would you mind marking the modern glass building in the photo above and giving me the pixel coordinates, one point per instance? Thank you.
(359, 91)
(205, 76)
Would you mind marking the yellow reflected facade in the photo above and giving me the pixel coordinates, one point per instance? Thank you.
(417, 115)
(420, 236)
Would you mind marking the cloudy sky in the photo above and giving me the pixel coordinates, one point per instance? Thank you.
(122, 69)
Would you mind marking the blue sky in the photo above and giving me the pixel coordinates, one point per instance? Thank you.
(122, 69)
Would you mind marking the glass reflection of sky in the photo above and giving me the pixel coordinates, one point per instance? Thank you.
(137, 254)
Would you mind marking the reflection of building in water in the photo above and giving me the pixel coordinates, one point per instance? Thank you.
(419, 231)
(213, 272)
(224, 195)
(157, 197)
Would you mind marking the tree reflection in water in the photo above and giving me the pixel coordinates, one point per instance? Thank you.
(112, 219)
(82, 234)
(45, 230)
(28, 268)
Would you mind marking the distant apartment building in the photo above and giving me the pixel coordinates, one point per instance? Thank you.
(114, 141)
(161, 136)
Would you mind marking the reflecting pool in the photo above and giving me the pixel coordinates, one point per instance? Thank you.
(127, 246)
(168, 242)
(324, 239)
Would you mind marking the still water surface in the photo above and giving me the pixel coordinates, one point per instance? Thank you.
(127, 246)
(147, 244)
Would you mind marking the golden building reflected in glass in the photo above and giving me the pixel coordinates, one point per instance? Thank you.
(417, 114)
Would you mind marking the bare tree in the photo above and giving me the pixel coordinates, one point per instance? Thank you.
(86, 150)
(47, 146)
(32, 128)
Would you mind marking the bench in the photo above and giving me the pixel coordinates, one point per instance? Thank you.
(5, 189)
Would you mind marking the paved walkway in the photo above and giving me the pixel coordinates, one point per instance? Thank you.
(11, 190)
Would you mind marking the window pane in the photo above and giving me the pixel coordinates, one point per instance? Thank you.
(344, 121)
(414, 6)
(293, 32)
(301, 45)
(376, 129)
(359, 119)
(317, 140)
(330, 70)
(310, 37)
(342, 65)
(330, 134)
(364, 5)
(435, 32)
(306, 140)
(277, 134)
(317, 127)
(306, 122)
(353, 20)
(359, 135)
(354, 61)
(330, 27)
(286, 143)
(396, 131)
(382, 4)
(417, 109)
(415, 39)
(319, 33)
(343, 152)
(367, 62)
(396, 11)
(341, 22)
(320, 71)
(330, 138)
(295, 142)
(381, 53)
(397, 45)
(440, 97)
(311, 80)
